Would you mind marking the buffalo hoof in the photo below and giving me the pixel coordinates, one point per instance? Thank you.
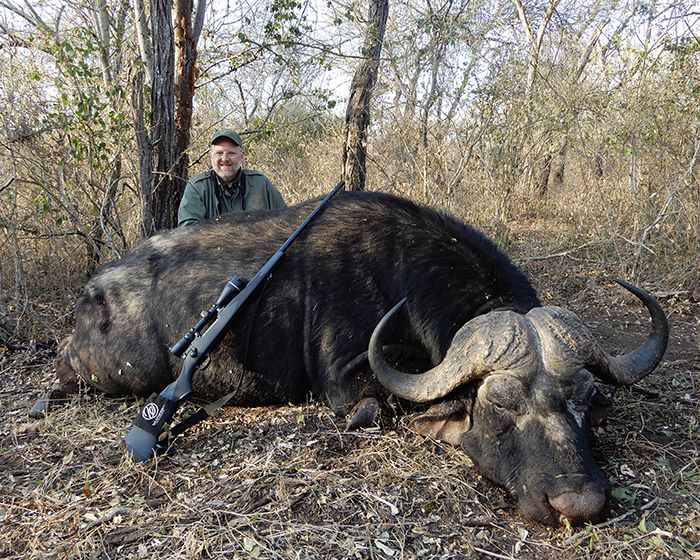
(364, 415)
(41, 406)
(59, 395)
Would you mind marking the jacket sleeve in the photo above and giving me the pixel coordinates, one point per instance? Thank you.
(274, 197)
(192, 207)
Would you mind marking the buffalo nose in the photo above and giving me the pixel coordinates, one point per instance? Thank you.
(579, 507)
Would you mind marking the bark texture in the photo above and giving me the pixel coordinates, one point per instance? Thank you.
(357, 116)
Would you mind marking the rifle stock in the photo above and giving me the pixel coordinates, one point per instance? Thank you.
(142, 440)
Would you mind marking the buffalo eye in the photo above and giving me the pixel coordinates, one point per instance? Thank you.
(506, 397)
(511, 408)
(499, 408)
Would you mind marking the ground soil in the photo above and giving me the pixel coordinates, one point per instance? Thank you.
(290, 482)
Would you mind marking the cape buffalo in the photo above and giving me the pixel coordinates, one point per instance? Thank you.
(508, 380)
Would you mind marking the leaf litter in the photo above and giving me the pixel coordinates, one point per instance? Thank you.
(289, 482)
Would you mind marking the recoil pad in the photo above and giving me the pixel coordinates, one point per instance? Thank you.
(142, 439)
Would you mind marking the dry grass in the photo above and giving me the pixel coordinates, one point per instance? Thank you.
(289, 482)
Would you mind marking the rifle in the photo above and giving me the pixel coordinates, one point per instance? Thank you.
(142, 439)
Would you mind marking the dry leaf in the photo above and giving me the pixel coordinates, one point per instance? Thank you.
(26, 428)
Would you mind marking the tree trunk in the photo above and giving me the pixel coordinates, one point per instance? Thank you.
(145, 152)
(535, 42)
(528, 151)
(185, 60)
(358, 111)
(163, 115)
(543, 179)
(142, 35)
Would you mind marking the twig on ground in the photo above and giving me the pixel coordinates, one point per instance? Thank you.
(109, 516)
(583, 533)
(560, 254)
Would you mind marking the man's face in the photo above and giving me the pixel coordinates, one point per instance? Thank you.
(226, 159)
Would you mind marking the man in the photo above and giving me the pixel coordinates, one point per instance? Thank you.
(226, 187)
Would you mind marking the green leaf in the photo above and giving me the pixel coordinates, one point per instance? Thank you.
(248, 544)
(658, 542)
(621, 494)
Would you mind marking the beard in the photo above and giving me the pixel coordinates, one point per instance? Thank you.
(227, 173)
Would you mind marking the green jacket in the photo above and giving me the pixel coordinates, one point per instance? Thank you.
(207, 197)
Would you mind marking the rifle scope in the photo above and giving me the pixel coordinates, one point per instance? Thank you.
(233, 287)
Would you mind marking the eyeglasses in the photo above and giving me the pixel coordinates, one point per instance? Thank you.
(222, 155)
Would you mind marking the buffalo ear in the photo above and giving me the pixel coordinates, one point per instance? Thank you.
(446, 421)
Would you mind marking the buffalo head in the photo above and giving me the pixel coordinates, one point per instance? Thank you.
(517, 393)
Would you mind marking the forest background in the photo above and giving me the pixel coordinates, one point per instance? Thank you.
(568, 131)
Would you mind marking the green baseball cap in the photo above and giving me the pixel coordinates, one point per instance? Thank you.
(227, 133)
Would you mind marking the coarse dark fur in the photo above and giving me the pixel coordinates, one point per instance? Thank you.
(309, 330)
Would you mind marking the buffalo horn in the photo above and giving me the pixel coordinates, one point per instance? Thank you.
(424, 387)
(628, 369)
